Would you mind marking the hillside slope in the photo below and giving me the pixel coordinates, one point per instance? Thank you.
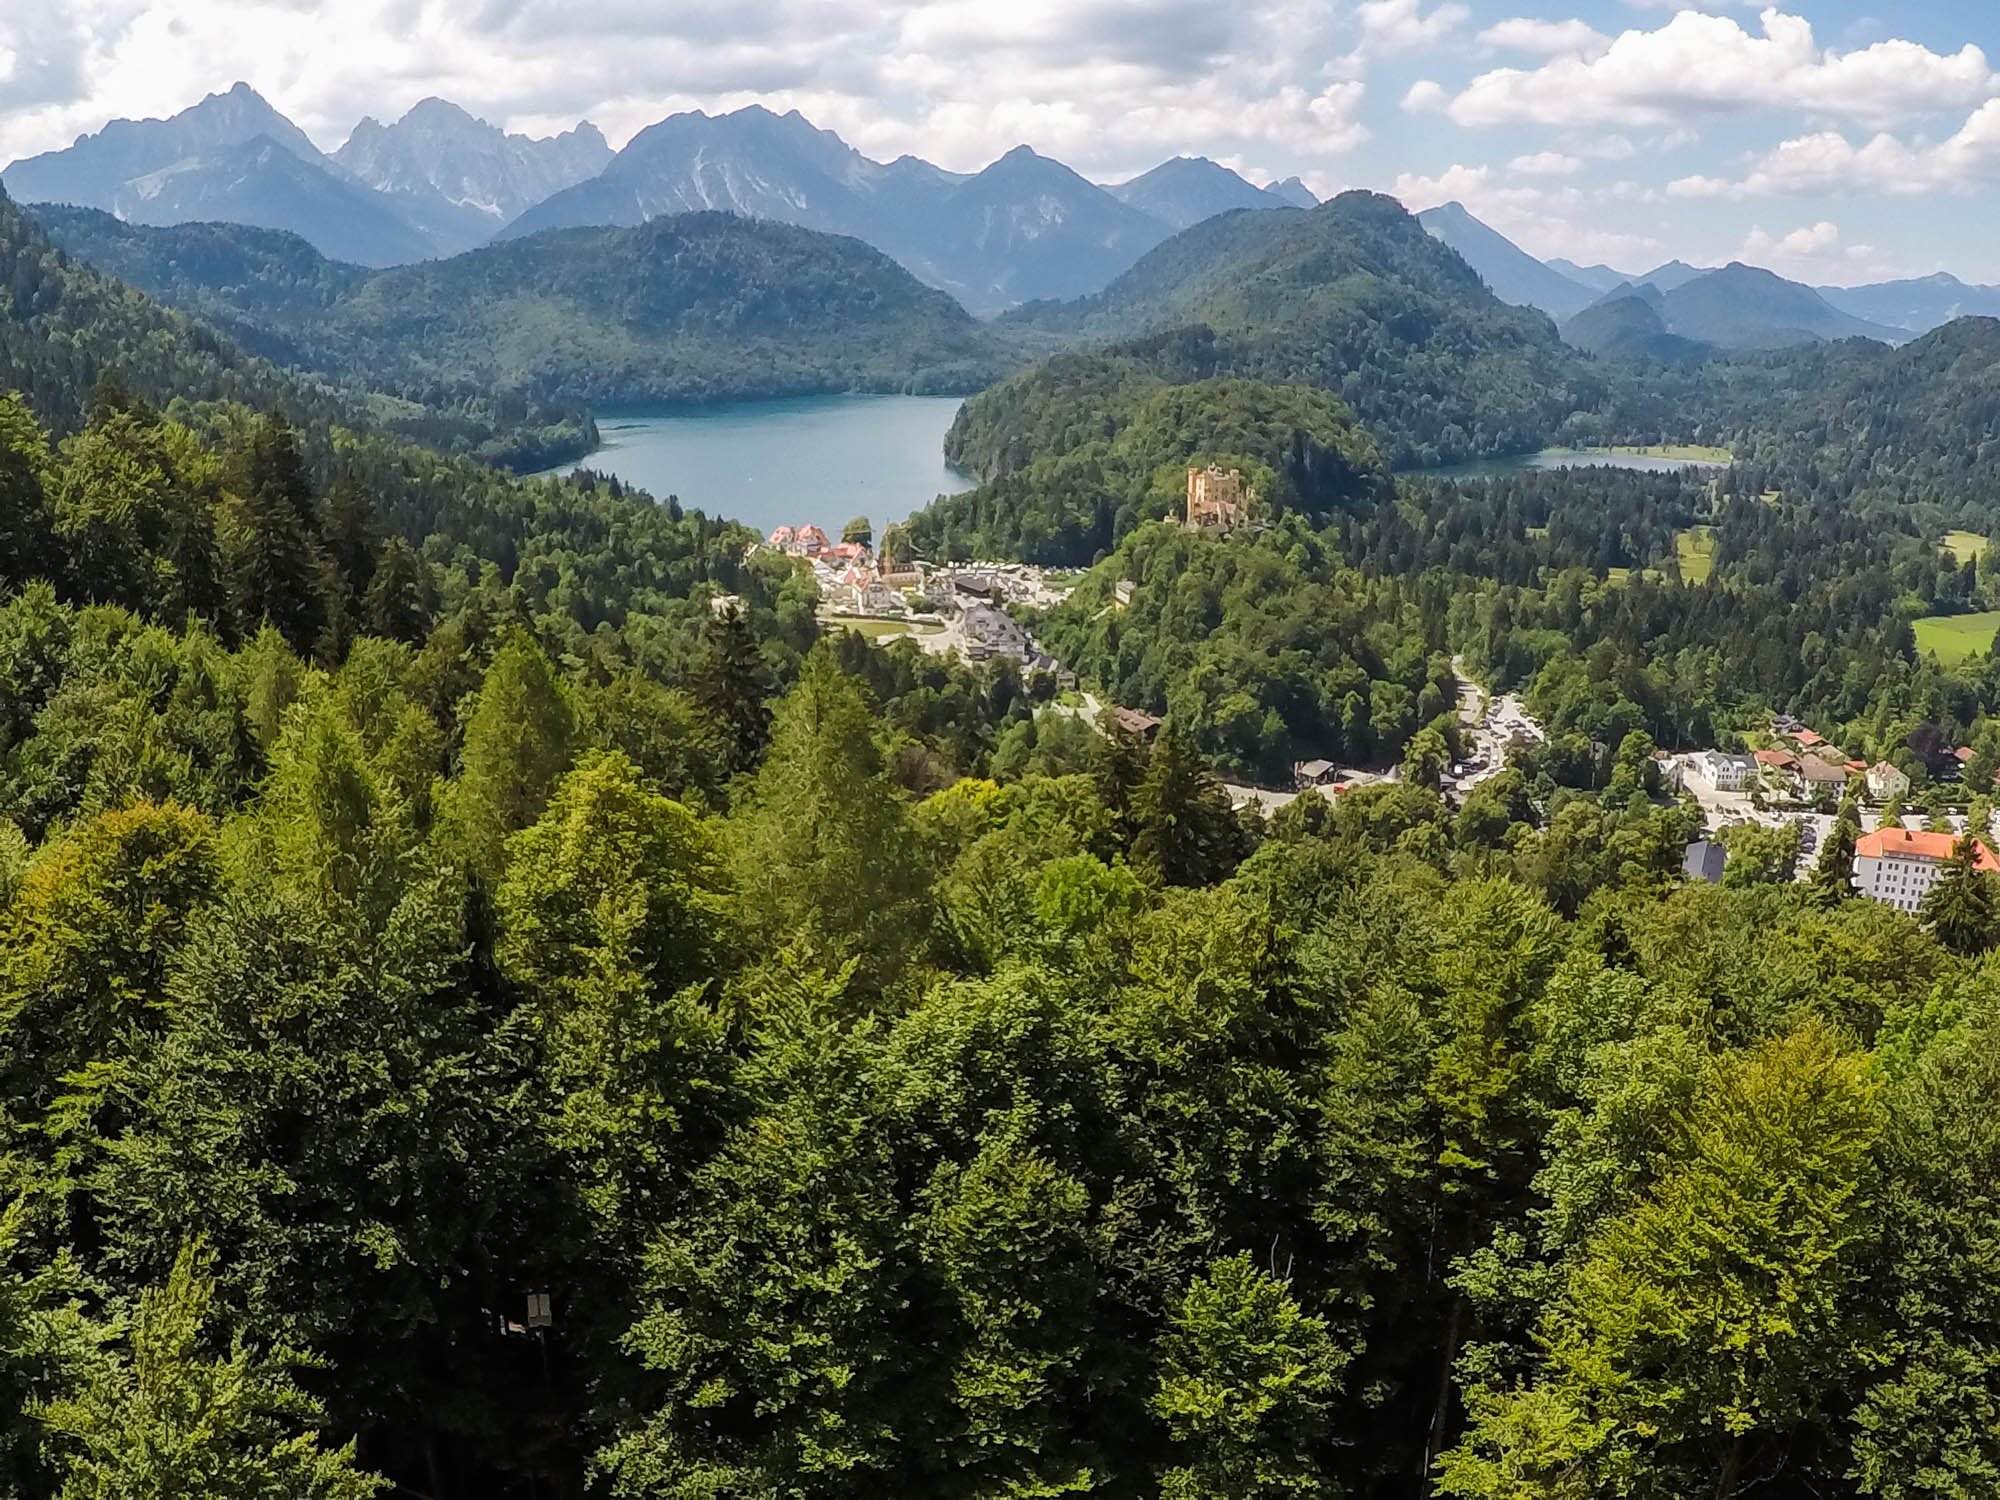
(1514, 275)
(1353, 296)
(697, 307)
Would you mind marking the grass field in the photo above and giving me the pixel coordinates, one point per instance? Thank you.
(1696, 549)
(878, 630)
(1956, 637)
(1963, 545)
(1692, 453)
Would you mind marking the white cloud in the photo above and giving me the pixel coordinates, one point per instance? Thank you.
(1544, 221)
(1112, 86)
(1607, 148)
(1545, 38)
(1456, 184)
(1814, 253)
(1698, 65)
(1826, 162)
(1546, 164)
(1392, 26)
(1425, 95)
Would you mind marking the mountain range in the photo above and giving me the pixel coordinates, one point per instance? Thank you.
(438, 182)
(1675, 311)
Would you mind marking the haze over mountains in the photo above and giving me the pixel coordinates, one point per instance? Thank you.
(1677, 311)
(438, 182)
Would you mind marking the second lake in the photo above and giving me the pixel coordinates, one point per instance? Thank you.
(818, 459)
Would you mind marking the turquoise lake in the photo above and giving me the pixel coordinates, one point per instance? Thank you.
(818, 459)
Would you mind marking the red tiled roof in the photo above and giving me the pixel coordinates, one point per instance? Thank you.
(1857, 765)
(1963, 753)
(1807, 738)
(1911, 843)
(1777, 758)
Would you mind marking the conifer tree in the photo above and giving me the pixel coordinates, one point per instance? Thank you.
(1832, 878)
(519, 740)
(1185, 833)
(164, 1417)
(732, 684)
(24, 461)
(398, 603)
(1962, 907)
(825, 855)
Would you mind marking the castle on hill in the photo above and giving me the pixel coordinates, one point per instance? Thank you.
(1217, 500)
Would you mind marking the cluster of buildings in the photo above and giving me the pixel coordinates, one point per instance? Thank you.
(1896, 866)
(850, 576)
(967, 605)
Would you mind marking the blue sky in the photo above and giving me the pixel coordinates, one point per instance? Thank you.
(1830, 139)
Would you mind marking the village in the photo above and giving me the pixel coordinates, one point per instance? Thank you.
(1795, 778)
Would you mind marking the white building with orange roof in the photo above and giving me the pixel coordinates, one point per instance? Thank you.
(1899, 865)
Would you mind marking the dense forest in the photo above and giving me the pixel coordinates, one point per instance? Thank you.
(64, 322)
(495, 1002)
(892, 1092)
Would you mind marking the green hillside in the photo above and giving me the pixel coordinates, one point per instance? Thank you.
(64, 322)
(1082, 448)
(1357, 298)
(689, 308)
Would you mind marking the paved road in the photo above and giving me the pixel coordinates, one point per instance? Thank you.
(1492, 725)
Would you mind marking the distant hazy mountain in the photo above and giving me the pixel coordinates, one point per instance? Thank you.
(1292, 193)
(1513, 274)
(1736, 308)
(1028, 227)
(1675, 274)
(231, 157)
(1630, 323)
(1189, 189)
(1599, 278)
(263, 185)
(1025, 227)
(1917, 305)
(97, 168)
(1745, 307)
(439, 181)
(462, 179)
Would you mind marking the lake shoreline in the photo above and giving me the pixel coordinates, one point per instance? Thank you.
(1657, 458)
(765, 462)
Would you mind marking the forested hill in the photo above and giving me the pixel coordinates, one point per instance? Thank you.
(1084, 447)
(1356, 297)
(686, 308)
(1854, 422)
(63, 322)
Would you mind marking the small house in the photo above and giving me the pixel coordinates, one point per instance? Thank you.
(1704, 860)
(1886, 782)
(1309, 773)
(1135, 721)
(1724, 772)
